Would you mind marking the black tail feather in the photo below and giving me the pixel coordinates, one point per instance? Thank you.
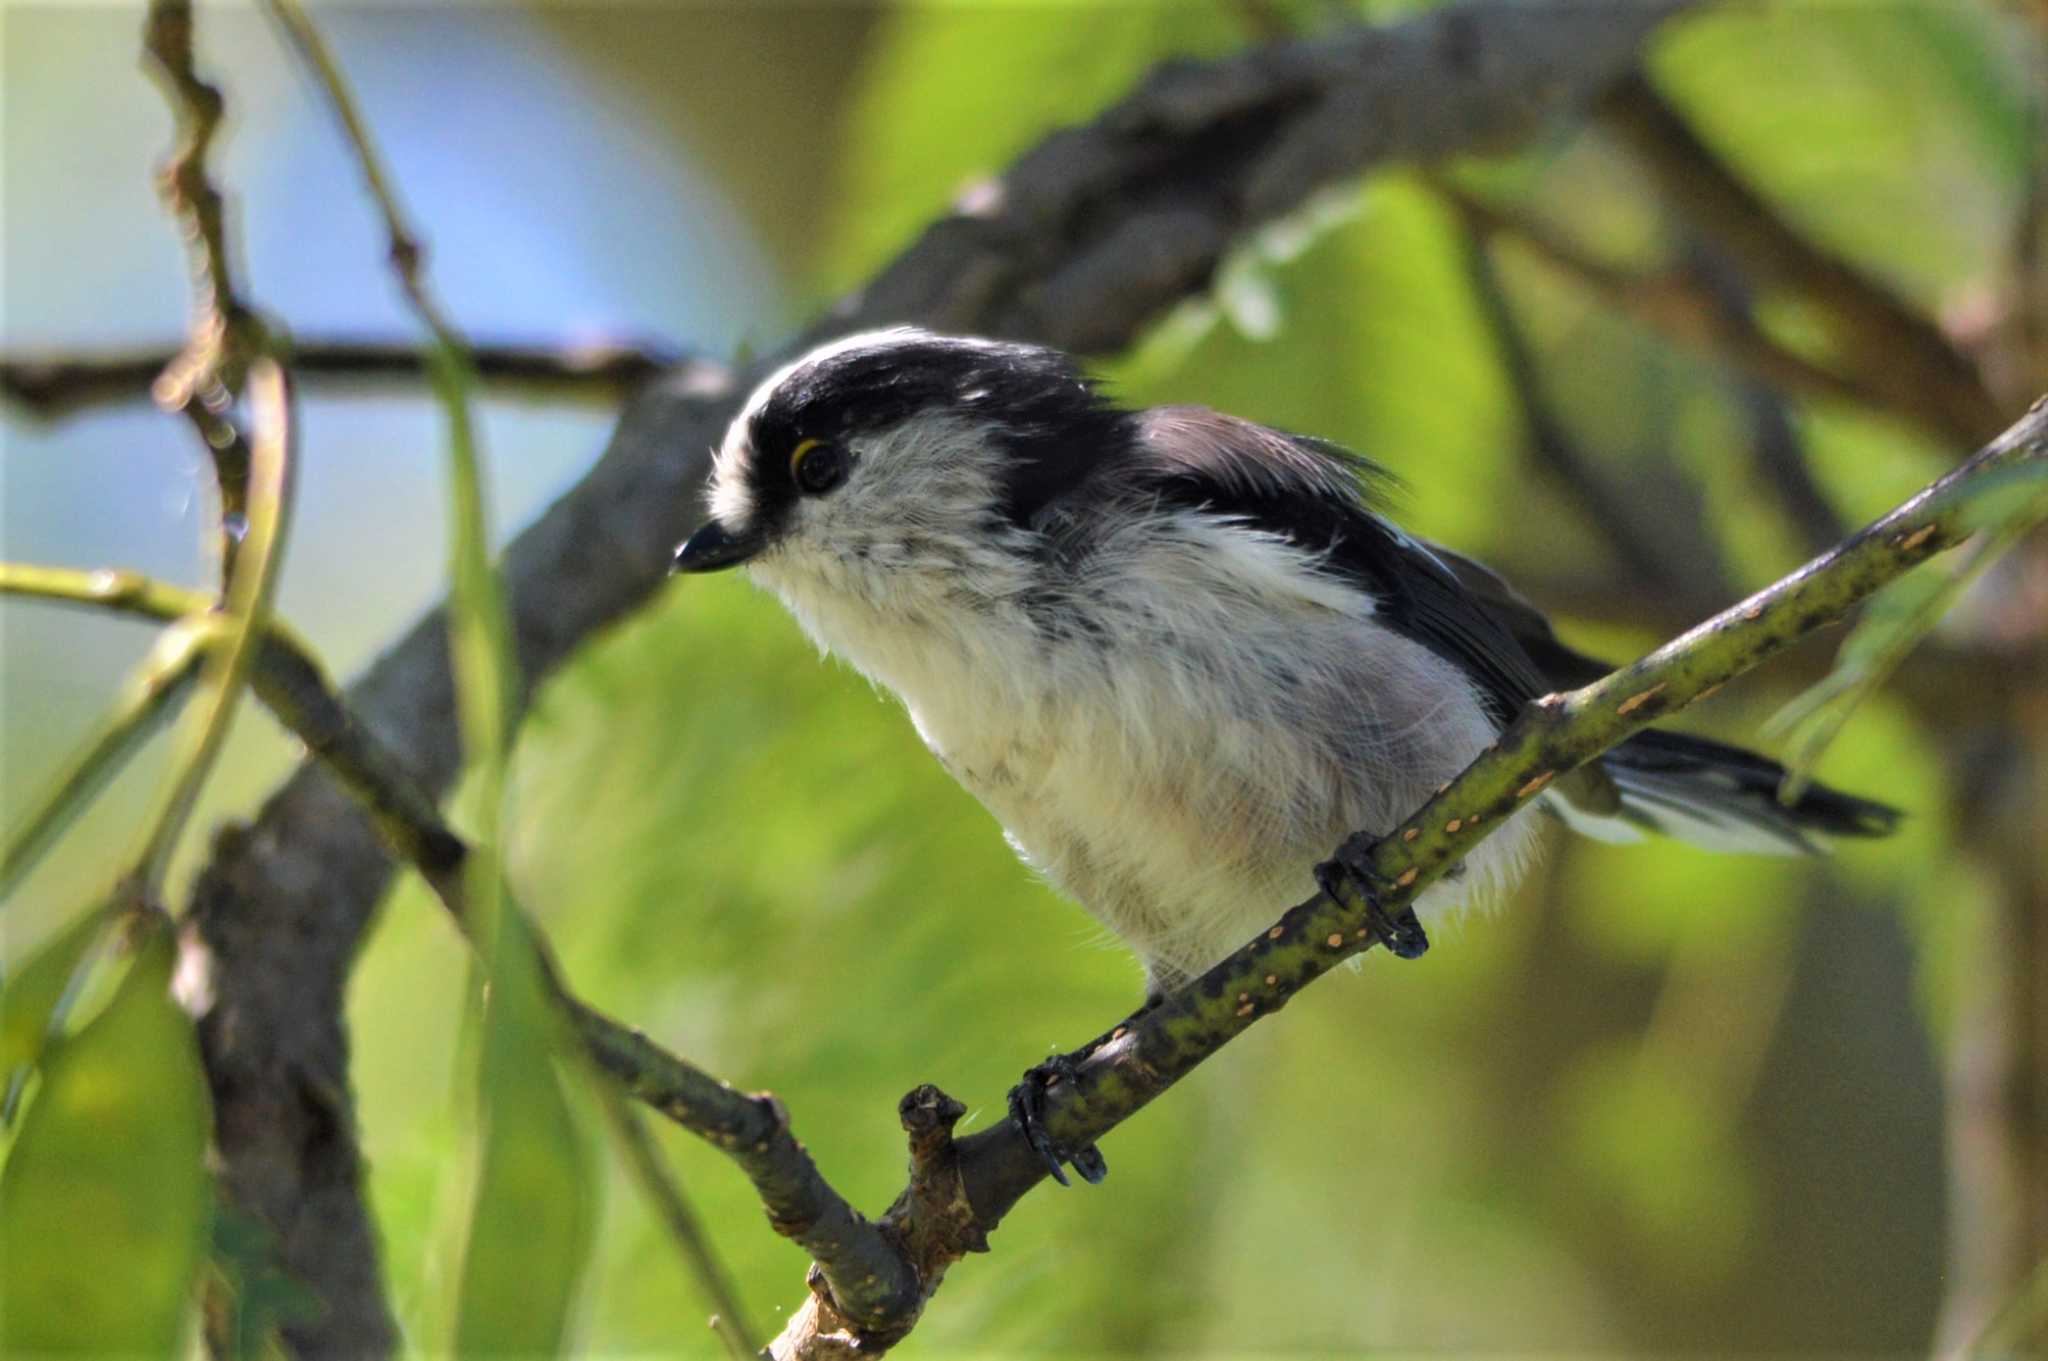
(1724, 798)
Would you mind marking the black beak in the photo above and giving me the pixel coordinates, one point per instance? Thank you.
(714, 548)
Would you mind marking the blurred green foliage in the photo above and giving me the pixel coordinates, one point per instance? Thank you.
(1667, 1101)
(531, 1200)
(105, 1200)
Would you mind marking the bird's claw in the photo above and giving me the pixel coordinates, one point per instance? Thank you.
(1027, 1108)
(1401, 932)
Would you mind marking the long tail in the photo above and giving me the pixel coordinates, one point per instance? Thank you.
(1714, 796)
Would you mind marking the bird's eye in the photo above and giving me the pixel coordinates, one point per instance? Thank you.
(817, 466)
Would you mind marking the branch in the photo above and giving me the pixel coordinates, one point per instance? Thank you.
(605, 372)
(202, 381)
(1640, 541)
(1781, 454)
(1679, 306)
(753, 1130)
(1886, 344)
(1079, 244)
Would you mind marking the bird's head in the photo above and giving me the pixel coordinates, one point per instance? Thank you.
(889, 464)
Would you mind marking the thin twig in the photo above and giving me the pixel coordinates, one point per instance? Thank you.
(1641, 548)
(273, 470)
(600, 372)
(182, 179)
(1674, 304)
(203, 380)
(145, 700)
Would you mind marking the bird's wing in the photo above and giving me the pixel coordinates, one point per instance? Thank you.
(1562, 667)
(1322, 497)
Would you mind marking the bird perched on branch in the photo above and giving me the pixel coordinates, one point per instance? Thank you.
(1180, 656)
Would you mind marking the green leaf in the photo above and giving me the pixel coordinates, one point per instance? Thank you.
(2008, 499)
(104, 1201)
(533, 1207)
(31, 995)
(147, 698)
(1892, 625)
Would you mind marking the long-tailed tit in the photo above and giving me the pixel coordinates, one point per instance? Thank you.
(1180, 656)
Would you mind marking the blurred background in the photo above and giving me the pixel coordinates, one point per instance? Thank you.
(1667, 1102)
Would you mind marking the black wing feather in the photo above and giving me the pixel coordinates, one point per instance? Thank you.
(1321, 496)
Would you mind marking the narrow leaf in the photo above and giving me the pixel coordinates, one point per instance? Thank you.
(1893, 624)
(104, 1200)
(32, 992)
(533, 1208)
(144, 702)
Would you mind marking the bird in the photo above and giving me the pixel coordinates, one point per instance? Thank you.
(1179, 655)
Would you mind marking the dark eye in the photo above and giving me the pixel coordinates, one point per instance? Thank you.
(817, 466)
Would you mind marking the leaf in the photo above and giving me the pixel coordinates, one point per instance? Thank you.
(532, 1213)
(31, 996)
(2007, 499)
(104, 1201)
(2001, 506)
(1893, 624)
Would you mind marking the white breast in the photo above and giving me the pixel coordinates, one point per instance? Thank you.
(1181, 764)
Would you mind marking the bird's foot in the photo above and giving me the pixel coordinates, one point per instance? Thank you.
(1027, 1108)
(1401, 932)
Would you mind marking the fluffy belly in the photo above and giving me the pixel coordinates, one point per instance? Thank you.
(1185, 859)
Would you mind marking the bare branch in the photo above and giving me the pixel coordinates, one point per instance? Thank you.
(1677, 305)
(202, 381)
(182, 179)
(603, 372)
